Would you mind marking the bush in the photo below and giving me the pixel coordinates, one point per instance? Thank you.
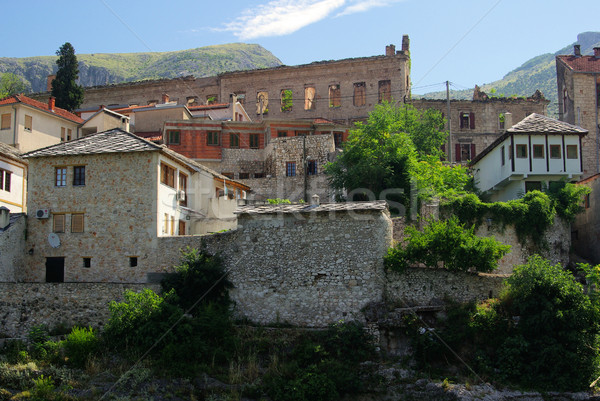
(80, 345)
(449, 242)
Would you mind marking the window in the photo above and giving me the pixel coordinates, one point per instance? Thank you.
(571, 151)
(212, 138)
(78, 176)
(338, 138)
(254, 141)
(133, 261)
(502, 156)
(77, 223)
(61, 177)
(173, 137)
(28, 123)
(58, 223)
(501, 120)
(309, 98)
(464, 152)
(281, 134)
(538, 151)
(167, 175)
(290, 169)
(5, 124)
(228, 175)
(241, 97)
(555, 151)
(533, 186)
(244, 176)
(360, 94)
(311, 167)
(286, 100)
(565, 97)
(301, 133)
(586, 201)
(335, 95)
(211, 99)
(87, 262)
(183, 188)
(63, 134)
(234, 140)
(385, 91)
(5, 180)
(262, 102)
(521, 151)
(259, 175)
(69, 132)
(467, 120)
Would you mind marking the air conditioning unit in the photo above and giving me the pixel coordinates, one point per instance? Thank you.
(180, 195)
(42, 213)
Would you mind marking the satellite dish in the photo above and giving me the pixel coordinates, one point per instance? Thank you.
(53, 240)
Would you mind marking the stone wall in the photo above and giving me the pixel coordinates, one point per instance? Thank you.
(24, 305)
(12, 248)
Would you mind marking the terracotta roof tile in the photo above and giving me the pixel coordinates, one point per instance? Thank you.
(42, 106)
(581, 63)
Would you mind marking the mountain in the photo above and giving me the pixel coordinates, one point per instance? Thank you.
(109, 68)
(536, 73)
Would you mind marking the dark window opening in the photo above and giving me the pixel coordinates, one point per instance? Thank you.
(244, 176)
(335, 95)
(212, 138)
(555, 151)
(133, 261)
(338, 138)
(281, 134)
(521, 151)
(173, 138)
(259, 175)
(234, 141)
(538, 151)
(87, 262)
(254, 141)
(79, 175)
(55, 270)
(571, 151)
(311, 167)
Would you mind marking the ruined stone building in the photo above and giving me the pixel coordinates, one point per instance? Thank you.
(578, 80)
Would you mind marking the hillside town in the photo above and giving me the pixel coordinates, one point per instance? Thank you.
(103, 198)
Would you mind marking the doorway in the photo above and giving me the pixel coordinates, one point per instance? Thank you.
(55, 270)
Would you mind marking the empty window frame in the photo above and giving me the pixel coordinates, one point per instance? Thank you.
(77, 223)
(173, 138)
(167, 175)
(385, 91)
(464, 152)
(78, 176)
(28, 123)
(538, 151)
(58, 223)
(338, 138)
(360, 94)
(254, 141)
(501, 120)
(244, 176)
(259, 175)
(262, 102)
(311, 167)
(212, 138)
(521, 151)
(133, 261)
(211, 99)
(309, 97)
(281, 134)
(467, 120)
(87, 262)
(60, 177)
(287, 100)
(5, 124)
(234, 141)
(571, 151)
(290, 169)
(555, 152)
(335, 95)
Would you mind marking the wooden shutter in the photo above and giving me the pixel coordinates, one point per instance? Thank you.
(77, 223)
(457, 152)
(472, 120)
(59, 223)
(472, 151)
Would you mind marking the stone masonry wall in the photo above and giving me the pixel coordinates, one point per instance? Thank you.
(12, 248)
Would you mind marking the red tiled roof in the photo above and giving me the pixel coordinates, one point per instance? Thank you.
(581, 63)
(42, 106)
(151, 136)
(322, 121)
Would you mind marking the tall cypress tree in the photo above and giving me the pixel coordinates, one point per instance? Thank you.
(68, 94)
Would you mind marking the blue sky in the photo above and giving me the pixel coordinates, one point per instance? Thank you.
(466, 41)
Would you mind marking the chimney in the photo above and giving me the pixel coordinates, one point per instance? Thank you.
(165, 98)
(49, 80)
(507, 121)
(577, 50)
(4, 217)
(597, 52)
(390, 50)
(51, 103)
(405, 43)
(315, 200)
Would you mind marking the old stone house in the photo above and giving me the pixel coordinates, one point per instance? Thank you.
(98, 204)
(28, 124)
(13, 179)
(585, 232)
(578, 79)
(531, 155)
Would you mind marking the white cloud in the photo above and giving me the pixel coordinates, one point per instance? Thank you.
(281, 17)
(362, 6)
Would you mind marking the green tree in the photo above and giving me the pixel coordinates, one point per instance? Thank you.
(11, 84)
(68, 94)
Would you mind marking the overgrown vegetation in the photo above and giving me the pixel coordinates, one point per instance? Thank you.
(542, 333)
(447, 244)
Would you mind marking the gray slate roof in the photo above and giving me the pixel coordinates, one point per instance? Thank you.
(539, 124)
(112, 141)
(11, 152)
(306, 208)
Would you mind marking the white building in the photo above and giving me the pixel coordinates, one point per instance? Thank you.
(13, 179)
(530, 155)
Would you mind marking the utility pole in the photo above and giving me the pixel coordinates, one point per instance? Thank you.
(448, 118)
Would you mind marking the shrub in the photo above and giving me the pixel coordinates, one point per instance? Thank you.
(449, 242)
(80, 345)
